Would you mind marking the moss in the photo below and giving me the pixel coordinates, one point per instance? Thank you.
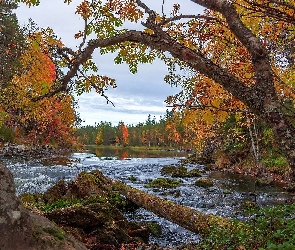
(194, 173)
(204, 183)
(27, 198)
(63, 203)
(180, 171)
(132, 178)
(56, 233)
(168, 170)
(164, 183)
(154, 228)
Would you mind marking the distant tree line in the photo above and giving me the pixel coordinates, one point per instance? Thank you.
(168, 131)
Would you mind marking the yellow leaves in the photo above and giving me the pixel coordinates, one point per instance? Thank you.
(158, 19)
(208, 116)
(149, 31)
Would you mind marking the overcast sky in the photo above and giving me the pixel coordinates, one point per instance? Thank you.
(137, 95)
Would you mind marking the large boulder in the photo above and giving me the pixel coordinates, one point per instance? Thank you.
(21, 229)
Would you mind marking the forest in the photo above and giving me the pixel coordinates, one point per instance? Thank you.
(235, 65)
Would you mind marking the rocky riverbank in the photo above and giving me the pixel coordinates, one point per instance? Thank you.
(10, 149)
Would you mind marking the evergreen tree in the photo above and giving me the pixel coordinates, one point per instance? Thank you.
(12, 42)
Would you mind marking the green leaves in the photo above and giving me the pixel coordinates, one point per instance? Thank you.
(133, 54)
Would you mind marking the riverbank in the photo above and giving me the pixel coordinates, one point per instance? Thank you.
(247, 166)
(11, 149)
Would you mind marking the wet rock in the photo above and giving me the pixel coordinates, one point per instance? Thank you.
(180, 172)
(168, 170)
(204, 183)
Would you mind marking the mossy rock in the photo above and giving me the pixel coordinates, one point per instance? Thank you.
(174, 193)
(226, 191)
(164, 183)
(132, 178)
(249, 206)
(56, 192)
(32, 201)
(204, 183)
(194, 173)
(168, 170)
(87, 207)
(58, 233)
(180, 172)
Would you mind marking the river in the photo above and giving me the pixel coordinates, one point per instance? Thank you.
(224, 198)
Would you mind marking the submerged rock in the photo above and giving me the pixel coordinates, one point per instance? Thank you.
(164, 183)
(180, 172)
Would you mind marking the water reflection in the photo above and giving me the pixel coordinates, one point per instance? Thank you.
(123, 153)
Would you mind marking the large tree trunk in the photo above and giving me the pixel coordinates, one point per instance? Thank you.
(191, 219)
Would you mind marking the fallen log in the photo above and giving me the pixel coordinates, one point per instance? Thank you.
(191, 219)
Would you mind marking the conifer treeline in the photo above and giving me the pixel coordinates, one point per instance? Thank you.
(168, 131)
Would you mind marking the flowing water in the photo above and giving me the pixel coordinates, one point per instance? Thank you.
(224, 198)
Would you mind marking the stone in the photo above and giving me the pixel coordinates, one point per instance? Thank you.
(21, 229)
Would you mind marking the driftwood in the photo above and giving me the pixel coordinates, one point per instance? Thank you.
(191, 219)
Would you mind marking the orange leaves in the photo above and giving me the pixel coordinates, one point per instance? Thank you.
(127, 10)
(50, 118)
(84, 9)
(123, 131)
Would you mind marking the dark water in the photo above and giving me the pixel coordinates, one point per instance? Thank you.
(224, 198)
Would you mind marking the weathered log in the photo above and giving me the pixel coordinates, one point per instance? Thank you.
(191, 219)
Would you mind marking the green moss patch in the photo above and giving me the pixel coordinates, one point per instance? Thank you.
(164, 183)
(204, 183)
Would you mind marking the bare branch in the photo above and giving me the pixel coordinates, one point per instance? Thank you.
(84, 35)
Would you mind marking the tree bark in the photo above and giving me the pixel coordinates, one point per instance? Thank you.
(191, 219)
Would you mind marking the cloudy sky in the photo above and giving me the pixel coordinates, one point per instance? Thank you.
(137, 95)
